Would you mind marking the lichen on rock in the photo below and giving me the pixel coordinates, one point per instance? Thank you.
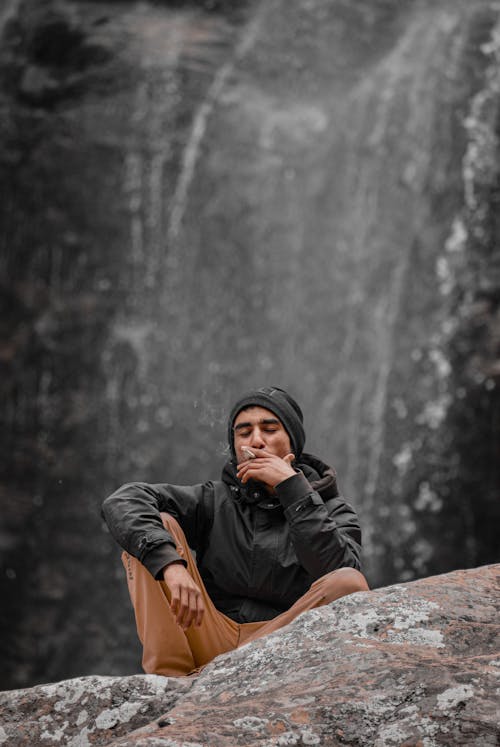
(84, 711)
(413, 664)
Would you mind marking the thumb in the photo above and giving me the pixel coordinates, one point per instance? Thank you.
(289, 458)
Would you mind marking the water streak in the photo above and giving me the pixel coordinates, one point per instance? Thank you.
(192, 149)
(9, 11)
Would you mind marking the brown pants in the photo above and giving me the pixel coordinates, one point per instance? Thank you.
(171, 651)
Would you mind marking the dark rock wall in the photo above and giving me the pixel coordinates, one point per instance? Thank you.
(202, 197)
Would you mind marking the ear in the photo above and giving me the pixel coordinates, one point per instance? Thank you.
(289, 458)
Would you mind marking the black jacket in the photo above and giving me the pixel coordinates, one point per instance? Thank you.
(257, 554)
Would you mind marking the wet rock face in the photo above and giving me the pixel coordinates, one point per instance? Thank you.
(202, 197)
(405, 665)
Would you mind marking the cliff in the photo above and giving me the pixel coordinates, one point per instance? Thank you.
(412, 665)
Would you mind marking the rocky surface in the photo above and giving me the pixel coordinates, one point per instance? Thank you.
(414, 665)
(85, 710)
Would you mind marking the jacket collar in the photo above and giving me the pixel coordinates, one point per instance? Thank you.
(323, 480)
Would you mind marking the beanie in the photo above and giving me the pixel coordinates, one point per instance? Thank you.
(282, 405)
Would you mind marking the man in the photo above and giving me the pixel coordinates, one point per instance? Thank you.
(273, 538)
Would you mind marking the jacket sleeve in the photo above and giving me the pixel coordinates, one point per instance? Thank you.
(325, 535)
(132, 514)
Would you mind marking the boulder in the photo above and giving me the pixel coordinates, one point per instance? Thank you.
(85, 710)
(409, 665)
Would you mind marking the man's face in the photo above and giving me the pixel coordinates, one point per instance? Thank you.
(259, 428)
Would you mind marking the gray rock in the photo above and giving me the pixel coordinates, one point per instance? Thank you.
(414, 665)
(85, 710)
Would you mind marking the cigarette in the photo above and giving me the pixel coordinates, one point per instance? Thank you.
(247, 453)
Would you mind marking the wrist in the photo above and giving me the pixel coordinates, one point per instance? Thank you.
(285, 475)
(172, 565)
(292, 489)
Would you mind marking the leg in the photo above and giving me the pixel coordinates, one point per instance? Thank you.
(167, 649)
(324, 590)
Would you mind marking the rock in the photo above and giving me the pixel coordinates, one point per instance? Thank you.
(85, 710)
(36, 83)
(414, 665)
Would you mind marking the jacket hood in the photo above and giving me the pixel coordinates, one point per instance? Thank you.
(322, 477)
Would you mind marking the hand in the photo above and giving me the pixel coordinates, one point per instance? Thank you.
(266, 467)
(187, 600)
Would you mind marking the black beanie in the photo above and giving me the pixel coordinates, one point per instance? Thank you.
(282, 405)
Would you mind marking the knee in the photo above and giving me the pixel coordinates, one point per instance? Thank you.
(172, 526)
(342, 582)
(169, 521)
(352, 579)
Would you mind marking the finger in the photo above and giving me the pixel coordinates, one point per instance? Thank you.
(174, 599)
(242, 471)
(256, 463)
(248, 473)
(251, 471)
(289, 458)
(190, 610)
(191, 613)
(200, 610)
(183, 605)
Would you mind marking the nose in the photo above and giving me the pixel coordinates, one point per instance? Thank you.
(256, 439)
